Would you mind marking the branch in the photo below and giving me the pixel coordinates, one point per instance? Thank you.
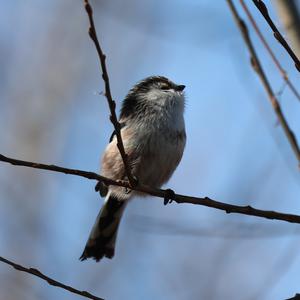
(111, 102)
(265, 13)
(283, 73)
(296, 297)
(161, 193)
(260, 72)
(289, 16)
(50, 281)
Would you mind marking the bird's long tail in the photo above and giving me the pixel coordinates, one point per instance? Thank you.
(103, 236)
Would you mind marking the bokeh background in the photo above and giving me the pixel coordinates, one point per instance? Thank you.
(236, 152)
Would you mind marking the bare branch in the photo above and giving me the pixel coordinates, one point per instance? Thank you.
(290, 18)
(260, 72)
(111, 102)
(296, 297)
(50, 281)
(265, 13)
(283, 73)
(228, 208)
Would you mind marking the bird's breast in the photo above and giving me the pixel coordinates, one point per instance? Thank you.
(161, 151)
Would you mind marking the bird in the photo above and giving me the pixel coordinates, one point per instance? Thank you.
(154, 137)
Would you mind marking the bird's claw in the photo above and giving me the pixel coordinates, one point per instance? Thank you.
(102, 188)
(169, 196)
(97, 186)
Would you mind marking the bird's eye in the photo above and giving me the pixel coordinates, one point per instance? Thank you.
(165, 87)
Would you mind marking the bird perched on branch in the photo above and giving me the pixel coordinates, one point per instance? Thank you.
(153, 134)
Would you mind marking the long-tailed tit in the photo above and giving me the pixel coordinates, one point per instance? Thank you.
(153, 134)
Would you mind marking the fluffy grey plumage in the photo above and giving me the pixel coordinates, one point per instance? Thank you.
(153, 134)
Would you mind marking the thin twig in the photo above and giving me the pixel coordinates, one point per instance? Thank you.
(228, 208)
(268, 48)
(50, 281)
(260, 72)
(111, 102)
(265, 13)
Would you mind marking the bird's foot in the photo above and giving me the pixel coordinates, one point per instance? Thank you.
(169, 196)
(102, 188)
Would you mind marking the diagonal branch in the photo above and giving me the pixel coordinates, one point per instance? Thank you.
(265, 13)
(296, 297)
(260, 72)
(228, 208)
(289, 15)
(111, 102)
(50, 281)
(283, 73)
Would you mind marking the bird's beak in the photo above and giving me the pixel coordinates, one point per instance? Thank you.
(180, 88)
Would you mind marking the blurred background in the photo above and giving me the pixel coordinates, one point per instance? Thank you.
(236, 152)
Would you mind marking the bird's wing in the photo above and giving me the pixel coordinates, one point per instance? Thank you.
(123, 124)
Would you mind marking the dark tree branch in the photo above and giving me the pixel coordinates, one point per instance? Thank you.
(283, 73)
(265, 13)
(260, 72)
(50, 281)
(296, 297)
(228, 208)
(111, 102)
(289, 15)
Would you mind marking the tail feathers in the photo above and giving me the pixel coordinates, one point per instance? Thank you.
(102, 239)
